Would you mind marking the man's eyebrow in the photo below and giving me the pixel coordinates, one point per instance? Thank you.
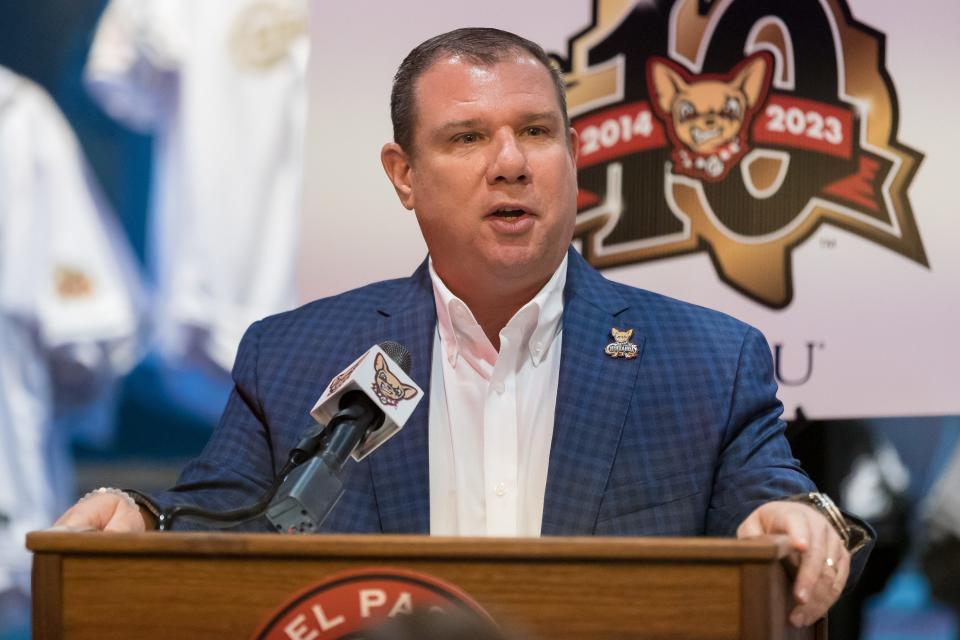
(542, 115)
(471, 123)
(454, 125)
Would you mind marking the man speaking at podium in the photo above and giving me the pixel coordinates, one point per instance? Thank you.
(557, 402)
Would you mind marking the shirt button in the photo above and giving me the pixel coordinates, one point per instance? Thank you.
(500, 489)
(498, 387)
(538, 347)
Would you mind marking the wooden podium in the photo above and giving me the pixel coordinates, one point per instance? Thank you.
(223, 585)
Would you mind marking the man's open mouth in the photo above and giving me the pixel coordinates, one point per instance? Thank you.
(508, 212)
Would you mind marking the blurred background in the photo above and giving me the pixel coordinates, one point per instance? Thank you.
(110, 381)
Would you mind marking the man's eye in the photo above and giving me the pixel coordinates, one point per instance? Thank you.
(536, 131)
(467, 138)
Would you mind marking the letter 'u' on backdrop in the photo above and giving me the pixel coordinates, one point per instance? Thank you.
(793, 164)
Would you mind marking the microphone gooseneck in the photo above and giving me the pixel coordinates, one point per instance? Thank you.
(357, 417)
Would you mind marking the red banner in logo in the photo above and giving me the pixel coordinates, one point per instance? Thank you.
(618, 132)
(784, 121)
(805, 124)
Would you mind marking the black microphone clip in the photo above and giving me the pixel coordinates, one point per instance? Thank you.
(312, 490)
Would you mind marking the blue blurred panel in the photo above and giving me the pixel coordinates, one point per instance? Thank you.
(904, 611)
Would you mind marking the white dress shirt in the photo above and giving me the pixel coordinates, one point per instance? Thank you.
(491, 415)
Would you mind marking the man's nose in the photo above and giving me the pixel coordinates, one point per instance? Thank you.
(509, 163)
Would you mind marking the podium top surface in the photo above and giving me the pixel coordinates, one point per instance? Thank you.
(762, 549)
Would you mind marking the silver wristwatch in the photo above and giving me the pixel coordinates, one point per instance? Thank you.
(853, 535)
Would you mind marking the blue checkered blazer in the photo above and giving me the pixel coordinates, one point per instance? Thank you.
(686, 439)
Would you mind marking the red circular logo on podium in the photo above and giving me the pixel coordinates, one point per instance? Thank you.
(346, 603)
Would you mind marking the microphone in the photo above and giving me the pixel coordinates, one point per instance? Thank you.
(381, 374)
(363, 406)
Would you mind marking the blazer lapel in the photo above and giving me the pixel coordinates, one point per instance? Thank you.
(401, 467)
(593, 396)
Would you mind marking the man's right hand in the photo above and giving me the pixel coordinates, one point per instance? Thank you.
(104, 512)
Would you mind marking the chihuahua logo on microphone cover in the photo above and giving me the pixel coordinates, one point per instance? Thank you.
(737, 128)
(390, 389)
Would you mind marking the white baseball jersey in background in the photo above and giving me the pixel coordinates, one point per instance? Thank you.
(221, 86)
(70, 303)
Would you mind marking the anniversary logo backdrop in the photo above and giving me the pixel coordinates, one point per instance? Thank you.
(790, 163)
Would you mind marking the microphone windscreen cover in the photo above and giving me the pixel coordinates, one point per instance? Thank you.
(398, 353)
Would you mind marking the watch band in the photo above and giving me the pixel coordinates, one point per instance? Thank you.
(109, 491)
(853, 535)
(143, 502)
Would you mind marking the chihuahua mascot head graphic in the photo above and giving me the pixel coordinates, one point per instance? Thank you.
(707, 116)
(389, 388)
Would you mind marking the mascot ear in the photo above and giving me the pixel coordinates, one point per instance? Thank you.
(378, 363)
(667, 83)
(750, 79)
(409, 392)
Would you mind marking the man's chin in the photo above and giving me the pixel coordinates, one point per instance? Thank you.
(523, 264)
(503, 269)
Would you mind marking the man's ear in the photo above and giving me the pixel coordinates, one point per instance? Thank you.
(667, 83)
(398, 168)
(574, 142)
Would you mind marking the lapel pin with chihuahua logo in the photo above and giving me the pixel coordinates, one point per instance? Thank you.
(621, 347)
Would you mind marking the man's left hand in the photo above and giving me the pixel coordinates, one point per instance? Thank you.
(818, 551)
